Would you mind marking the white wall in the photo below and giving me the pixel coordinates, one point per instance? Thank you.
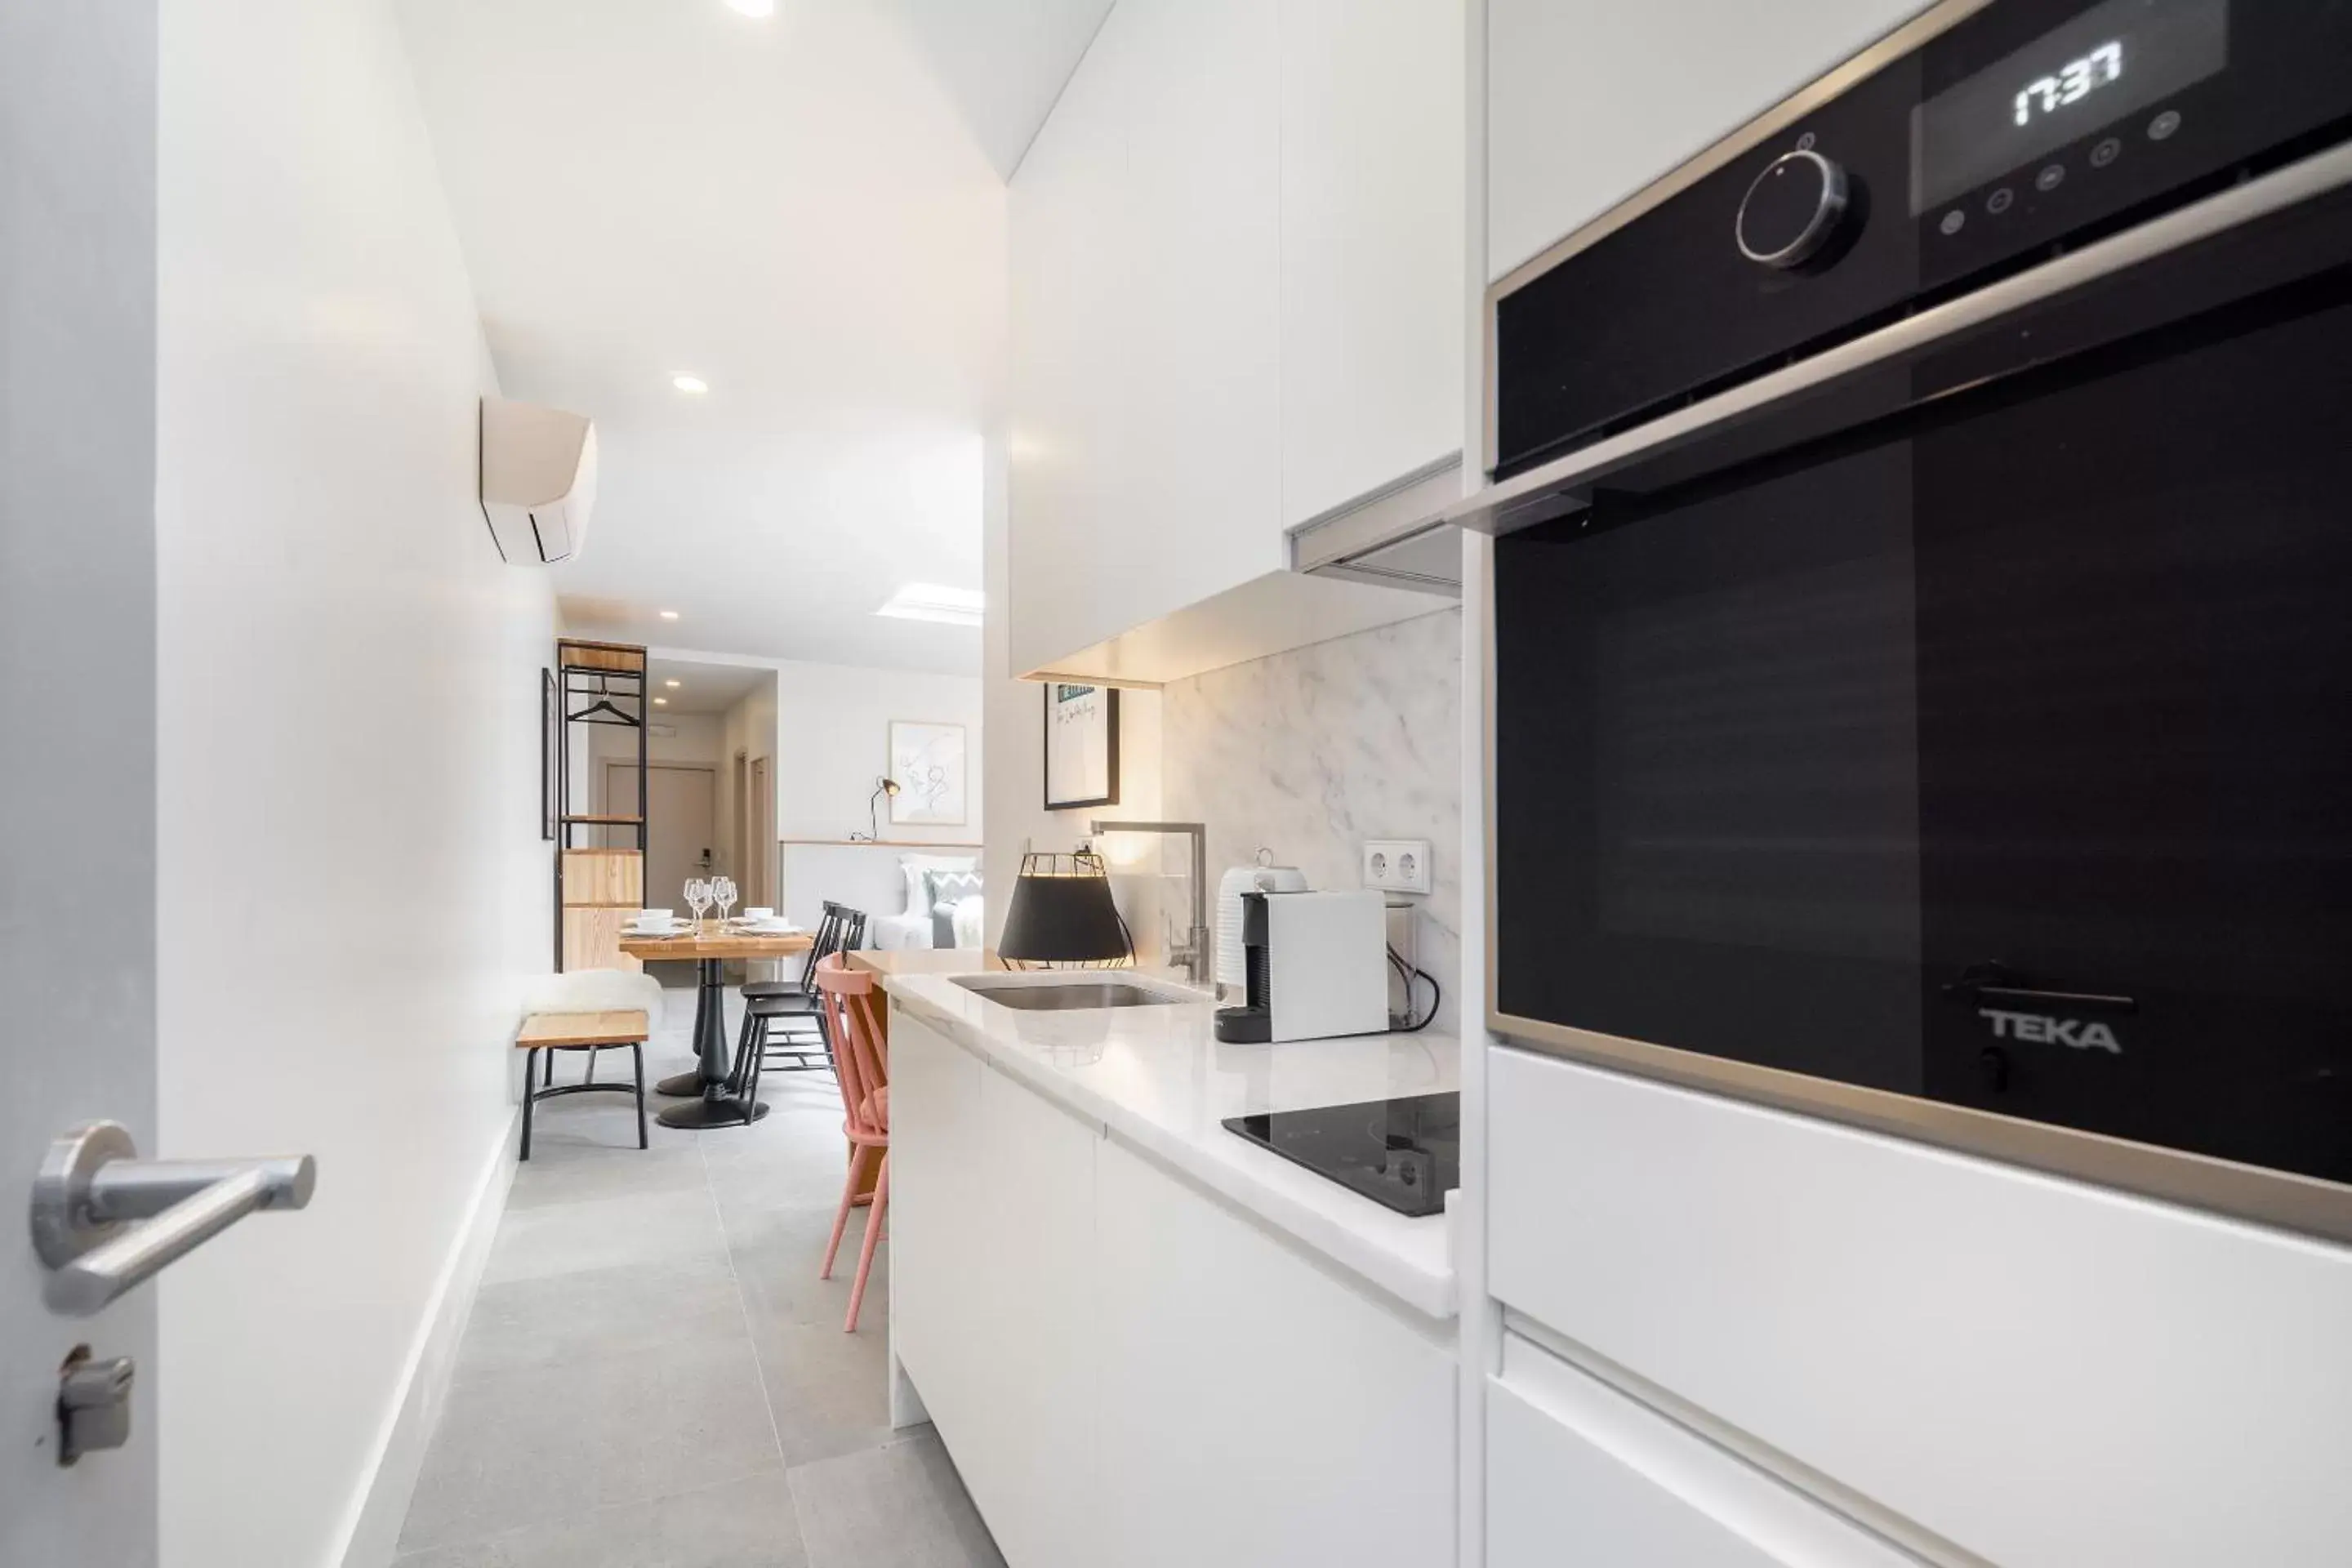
(747, 730)
(834, 726)
(343, 942)
(1310, 752)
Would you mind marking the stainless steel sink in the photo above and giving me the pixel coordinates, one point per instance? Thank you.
(1060, 998)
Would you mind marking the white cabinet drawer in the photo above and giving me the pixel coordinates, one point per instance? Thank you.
(1252, 1412)
(2049, 1375)
(1576, 1472)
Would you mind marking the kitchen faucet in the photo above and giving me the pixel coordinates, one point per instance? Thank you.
(1193, 951)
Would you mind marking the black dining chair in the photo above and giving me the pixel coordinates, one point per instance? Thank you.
(783, 1021)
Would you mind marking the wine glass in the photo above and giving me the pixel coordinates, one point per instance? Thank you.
(722, 892)
(698, 897)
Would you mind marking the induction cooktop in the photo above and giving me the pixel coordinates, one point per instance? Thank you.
(1405, 1153)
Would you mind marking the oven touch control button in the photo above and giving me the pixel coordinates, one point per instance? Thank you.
(1792, 210)
(1997, 202)
(2164, 125)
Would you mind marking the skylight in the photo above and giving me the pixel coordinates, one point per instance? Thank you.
(930, 601)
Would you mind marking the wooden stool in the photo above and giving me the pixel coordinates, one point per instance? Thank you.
(552, 1032)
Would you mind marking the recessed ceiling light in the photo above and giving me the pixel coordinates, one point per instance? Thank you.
(673, 685)
(661, 702)
(669, 614)
(752, 7)
(694, 384)
(930, 601)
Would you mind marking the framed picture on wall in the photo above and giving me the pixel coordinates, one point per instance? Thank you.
(550, 743)
(1081, 745)
(928, 762)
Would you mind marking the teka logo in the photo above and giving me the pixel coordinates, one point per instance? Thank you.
(2051, 1031)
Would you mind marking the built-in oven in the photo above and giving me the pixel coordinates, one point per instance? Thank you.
(1922, 606)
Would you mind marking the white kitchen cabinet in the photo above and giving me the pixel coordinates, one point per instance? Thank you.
(1371, 245)
(2046, 1373)
(1028, 1304)
(1576, 1472)
(992, 1294)
(1145, 395)
(1125, 1369)
(934, 1212)
(1237, 287)
(1254, 1411)
(1589, 100)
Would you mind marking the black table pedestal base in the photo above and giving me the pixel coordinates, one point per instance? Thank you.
(707, 1113)
(713, 1105)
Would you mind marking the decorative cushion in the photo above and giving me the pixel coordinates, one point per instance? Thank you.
(948, 890)
(950, 886)
(919, 896)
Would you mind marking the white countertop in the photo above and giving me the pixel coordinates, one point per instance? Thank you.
(1157, 1080)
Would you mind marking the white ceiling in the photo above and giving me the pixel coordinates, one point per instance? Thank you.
(703, 686)
(1004, 61)
(805, 211)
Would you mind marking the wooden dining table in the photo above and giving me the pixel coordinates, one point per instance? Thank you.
(711, 944)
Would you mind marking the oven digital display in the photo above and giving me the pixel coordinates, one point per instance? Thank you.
(2112, 59)
(2073, 81)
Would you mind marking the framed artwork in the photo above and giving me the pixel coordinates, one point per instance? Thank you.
(928, 762)
(550, 747)
(1081, 745)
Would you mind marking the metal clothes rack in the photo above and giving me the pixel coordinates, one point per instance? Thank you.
(598, 683)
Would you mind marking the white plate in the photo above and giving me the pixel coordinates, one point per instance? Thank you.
(659, 930)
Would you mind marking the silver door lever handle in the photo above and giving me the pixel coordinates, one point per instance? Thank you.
(107, 1221)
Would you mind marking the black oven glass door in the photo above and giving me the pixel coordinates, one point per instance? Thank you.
(1997, 750)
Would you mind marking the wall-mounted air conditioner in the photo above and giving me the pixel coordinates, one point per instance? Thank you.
(539, 480)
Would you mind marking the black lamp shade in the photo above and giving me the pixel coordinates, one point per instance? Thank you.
(1056, 917)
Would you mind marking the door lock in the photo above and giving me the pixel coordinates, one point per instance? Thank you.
(93, 1404)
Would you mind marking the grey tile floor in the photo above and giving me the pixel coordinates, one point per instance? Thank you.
(653, 1375)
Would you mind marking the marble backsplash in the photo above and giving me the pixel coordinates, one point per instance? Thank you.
(1310, 752)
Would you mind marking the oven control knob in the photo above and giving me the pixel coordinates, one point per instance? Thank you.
(1796, 205)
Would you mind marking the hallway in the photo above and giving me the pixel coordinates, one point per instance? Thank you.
(653, 1376)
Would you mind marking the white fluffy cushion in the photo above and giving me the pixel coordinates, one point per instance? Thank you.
(595, 990)
(972, 922)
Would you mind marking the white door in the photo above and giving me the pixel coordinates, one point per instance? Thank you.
(77, 806)
(77, 571)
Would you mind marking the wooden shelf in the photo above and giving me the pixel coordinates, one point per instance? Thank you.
(604, 821)
(620, 656)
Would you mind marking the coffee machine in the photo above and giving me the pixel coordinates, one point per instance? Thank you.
(1316, 964)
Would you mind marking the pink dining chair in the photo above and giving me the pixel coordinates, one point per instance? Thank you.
(849, 1001)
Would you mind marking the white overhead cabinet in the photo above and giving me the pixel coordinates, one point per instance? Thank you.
(1237, 291)
(1589, 100)
(1371, 246)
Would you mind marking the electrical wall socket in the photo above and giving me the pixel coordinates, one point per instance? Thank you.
(1397, 865)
